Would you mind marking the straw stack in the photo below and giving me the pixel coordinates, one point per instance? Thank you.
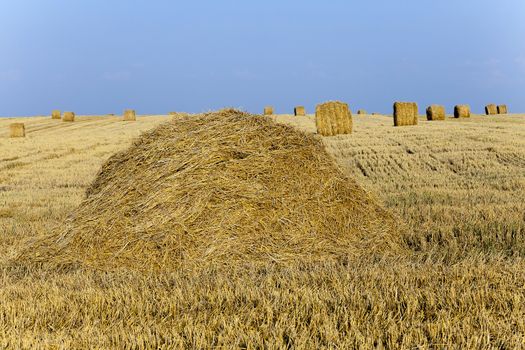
(56, 114)
(462, 111)
(333, 118)
(17, 130)
(68, 117)
(405, 113)
(129, 115)
(299, 111)
(436, 112)
(268, 110)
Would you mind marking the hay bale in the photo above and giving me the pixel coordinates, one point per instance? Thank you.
(502, 109)
(55, 114)
(491, 109)
(219, 189)
(17, 130)
(299, 111)
(361, 111)
(436, 112)
(68, 117)
(333, 118)
(405, 113)
(462, 111)
(129, 115)
(268, 110)
(172, 113)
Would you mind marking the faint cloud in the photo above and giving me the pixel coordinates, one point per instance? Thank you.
(117, 76)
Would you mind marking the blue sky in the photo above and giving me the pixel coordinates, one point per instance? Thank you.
(102, 56)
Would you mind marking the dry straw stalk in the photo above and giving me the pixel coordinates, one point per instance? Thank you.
(436, 112)
(462, 111)
(129, 115)
(502, 109)
(17, 130)
(491, 109)
(268, 110)
(68, 117)
(405, 113)
(55, 114)
(299, 111)
(333, 118)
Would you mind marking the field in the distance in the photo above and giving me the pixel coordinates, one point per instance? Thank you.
(459, 185)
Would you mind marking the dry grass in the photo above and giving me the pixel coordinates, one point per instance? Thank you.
(458, 185)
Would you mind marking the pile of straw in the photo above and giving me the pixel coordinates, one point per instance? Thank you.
(218, 189)
(405, 113)
(68, 117)
(129, 115)
(299, 111)
(502, 109)
(55, 114)
(462, 111)
(333, 118)
(491, 109)
(17, 130)
(436, 112)
(268, 110)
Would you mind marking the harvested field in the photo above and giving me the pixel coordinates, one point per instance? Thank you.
(458, 186)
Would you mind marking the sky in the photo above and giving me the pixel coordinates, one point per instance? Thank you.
(156, 56)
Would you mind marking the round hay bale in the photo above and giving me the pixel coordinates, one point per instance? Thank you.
(436, 112)
(405, 113)
(299, 111)
(333, 118)
(55, 114)
(268, 110)
(491, 109)
(502, 109)
(17, 130)
(129, 115)
(219, 189)
(462, 111)
(68, 117)
(361, 111)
